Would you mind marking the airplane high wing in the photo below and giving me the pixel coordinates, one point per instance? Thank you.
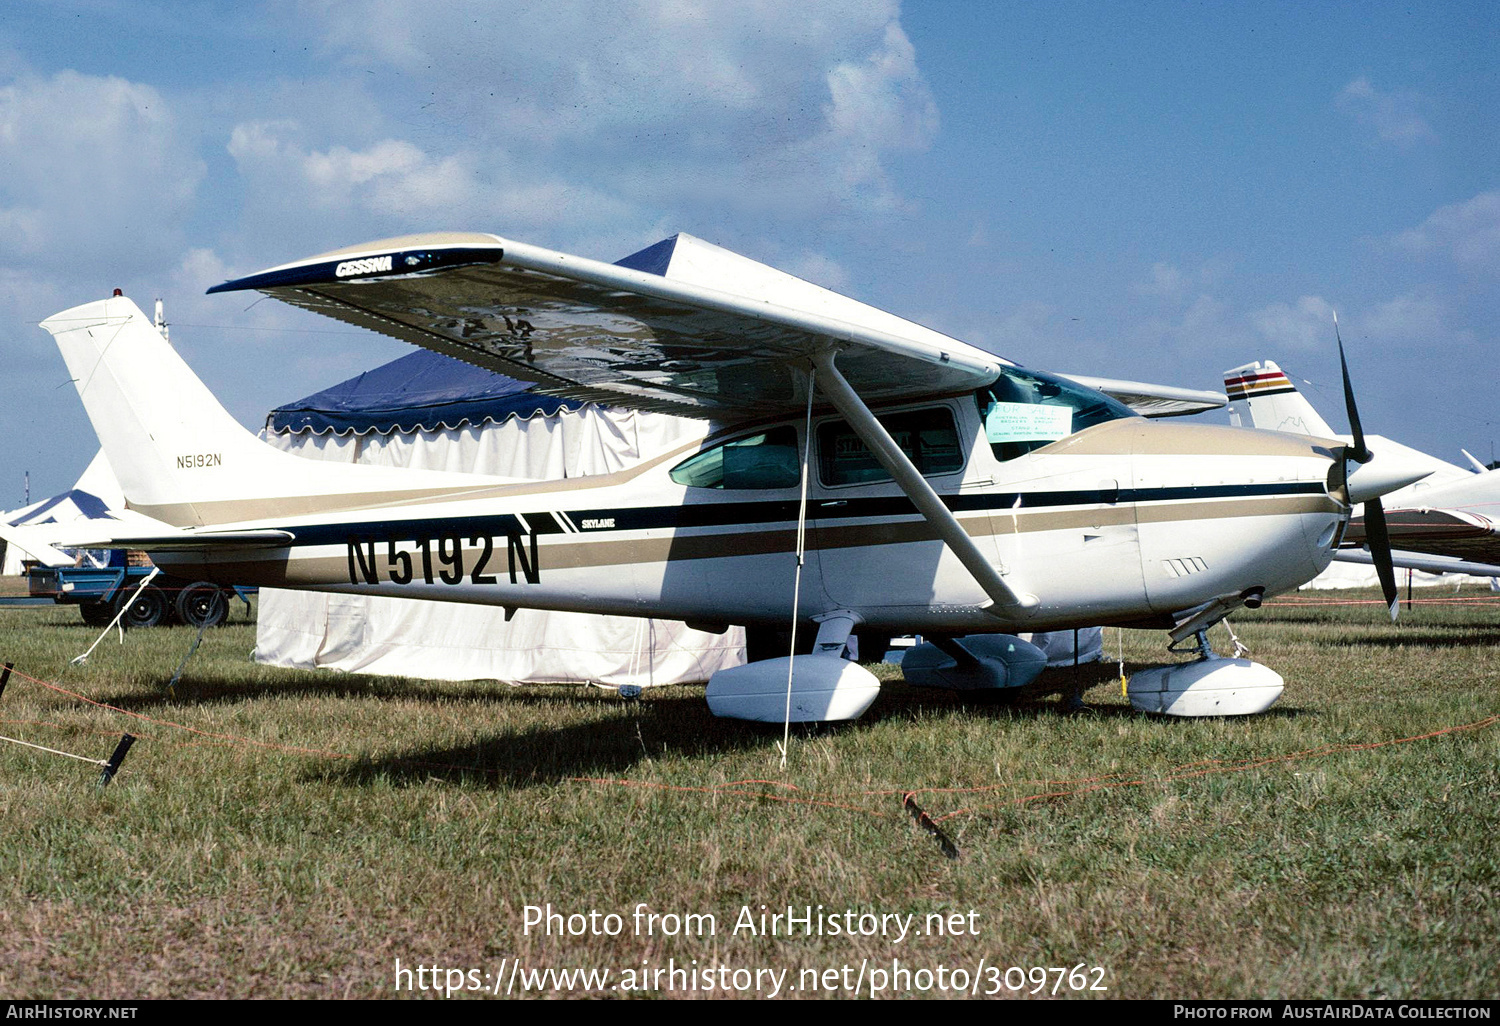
(1457, 522)
(690, 329)
(926, 485)
(683, 326)
(1153, 400)
(1447, 522)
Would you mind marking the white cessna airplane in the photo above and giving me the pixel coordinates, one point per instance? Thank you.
(938, 488)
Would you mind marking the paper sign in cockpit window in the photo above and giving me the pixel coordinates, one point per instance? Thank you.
(1027, 422)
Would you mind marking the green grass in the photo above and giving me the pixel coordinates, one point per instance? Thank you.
(215, 866)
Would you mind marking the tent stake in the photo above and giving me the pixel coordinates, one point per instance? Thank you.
(113, 765)
(926, 823)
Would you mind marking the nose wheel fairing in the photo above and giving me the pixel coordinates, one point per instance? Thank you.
(1213, 686)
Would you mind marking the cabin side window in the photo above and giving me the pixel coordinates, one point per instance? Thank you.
(770, 459)
(1025, 410)
(928, 437)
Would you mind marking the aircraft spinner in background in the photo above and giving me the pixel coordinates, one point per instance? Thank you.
(1448, 522)
(934, 487)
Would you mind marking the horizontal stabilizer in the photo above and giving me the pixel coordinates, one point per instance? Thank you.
(56, 544)
(37, 542)
(186, 540)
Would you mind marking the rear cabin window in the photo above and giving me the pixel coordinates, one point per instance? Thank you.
(928, 438)
(1025, 410)
(767, 460)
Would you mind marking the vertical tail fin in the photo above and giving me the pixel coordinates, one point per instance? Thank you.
(167, 437)
(179, 456)
(1261, 396)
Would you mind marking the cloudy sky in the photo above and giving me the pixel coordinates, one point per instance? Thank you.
(1157, 191)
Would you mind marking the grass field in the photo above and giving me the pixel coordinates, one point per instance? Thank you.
(317, 827)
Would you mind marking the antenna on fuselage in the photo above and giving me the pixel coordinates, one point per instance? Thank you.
(161, 322)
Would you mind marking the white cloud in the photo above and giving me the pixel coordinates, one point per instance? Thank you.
(392, 185)
(1166, 281)
(1415, 318)
(1412, 319)
(1468, 232)
(388, 171)
(788, 106)
(26, 299)
(96, 170)
(879, 105)
(1205, 326)
(1396, 117)
(1304, 325)
(1172, 283)
(820, 269)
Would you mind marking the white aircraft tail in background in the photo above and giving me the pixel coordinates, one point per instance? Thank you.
(1448, 522)
(1265, 397)
(1262, 396)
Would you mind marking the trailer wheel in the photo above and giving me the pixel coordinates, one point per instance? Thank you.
(147, 608)
(97, 613)
(202, 605)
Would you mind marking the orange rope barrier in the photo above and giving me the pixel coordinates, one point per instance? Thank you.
(182, 726)
(762, 790)
(1482, 600)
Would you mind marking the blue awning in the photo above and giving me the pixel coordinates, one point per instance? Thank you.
(422, 390)
(428, 391)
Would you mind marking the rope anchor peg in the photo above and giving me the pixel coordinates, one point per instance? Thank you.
(108, 767)
(112, 766)
(927, 823)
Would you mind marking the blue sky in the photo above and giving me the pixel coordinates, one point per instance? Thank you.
(1157, 191)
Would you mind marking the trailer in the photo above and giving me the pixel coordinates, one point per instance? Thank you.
(104, 585)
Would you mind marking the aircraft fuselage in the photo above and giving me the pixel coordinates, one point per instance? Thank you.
(1130, 521)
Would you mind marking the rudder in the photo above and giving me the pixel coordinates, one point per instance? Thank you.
(1261, 396)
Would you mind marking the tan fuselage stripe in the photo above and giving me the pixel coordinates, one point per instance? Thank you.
(237, 511)
(569, 552)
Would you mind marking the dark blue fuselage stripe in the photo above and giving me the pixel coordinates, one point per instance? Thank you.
(753, 514)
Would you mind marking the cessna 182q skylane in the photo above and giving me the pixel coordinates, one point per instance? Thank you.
(939, 489)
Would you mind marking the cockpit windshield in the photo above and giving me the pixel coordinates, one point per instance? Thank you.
(1025, 410)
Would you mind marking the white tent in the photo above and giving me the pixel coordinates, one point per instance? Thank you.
(427, 411)
(93, 497)
(1359, 575)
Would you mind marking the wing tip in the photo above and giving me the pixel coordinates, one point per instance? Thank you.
(388, 258)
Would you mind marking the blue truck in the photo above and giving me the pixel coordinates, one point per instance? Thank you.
(101, 584)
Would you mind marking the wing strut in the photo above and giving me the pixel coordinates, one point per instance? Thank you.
(1004, 601)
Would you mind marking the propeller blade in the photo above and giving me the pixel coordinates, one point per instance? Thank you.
(1376, 535)
(1358, 452)
(1379, 540)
